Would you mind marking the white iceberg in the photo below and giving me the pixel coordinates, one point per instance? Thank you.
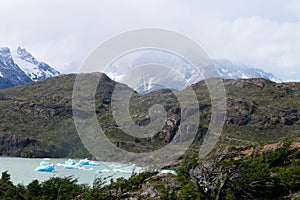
(103, 171)
(44, 163)
(71, 164)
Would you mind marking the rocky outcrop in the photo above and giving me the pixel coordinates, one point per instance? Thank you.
(42, 111)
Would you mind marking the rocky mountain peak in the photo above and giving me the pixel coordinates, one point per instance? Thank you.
(19, 66)
(25, 55)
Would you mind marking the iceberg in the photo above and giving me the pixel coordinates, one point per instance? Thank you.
(45, 167)
(103, 171)
(86, 162)
(70, 164)
(93, 163)
(44, 163)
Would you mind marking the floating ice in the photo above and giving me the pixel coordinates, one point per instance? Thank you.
(93, 163)
(103, 171)
(83, 164)
(44, 163)
(70, 164)
(84, 161)
(75, 166)
(45, 167)
(87, 162)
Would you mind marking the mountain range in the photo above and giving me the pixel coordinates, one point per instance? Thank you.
(19, 67)
(152, 63)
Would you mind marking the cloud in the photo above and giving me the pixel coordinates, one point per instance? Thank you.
(273, 46)
(260, 33)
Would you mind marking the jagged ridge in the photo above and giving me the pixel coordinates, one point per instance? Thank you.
(20, 67)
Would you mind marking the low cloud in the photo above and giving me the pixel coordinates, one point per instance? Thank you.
(63, 33)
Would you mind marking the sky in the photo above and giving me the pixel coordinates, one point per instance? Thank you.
(260, 33)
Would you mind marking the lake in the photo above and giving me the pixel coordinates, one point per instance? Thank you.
(22, 170)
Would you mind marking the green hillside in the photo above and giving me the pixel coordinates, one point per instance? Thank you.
(36, 119)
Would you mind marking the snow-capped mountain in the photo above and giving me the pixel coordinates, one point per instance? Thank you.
(19, 67)
(231, 70)
(160, 76)
(34, 69)
(11, 74)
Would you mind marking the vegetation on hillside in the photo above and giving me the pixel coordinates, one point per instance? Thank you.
(230, 174)
(36, 119)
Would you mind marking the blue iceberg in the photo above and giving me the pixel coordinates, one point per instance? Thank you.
(45, 167)
(86, 162)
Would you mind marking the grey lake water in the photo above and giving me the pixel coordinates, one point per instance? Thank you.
(22, 170)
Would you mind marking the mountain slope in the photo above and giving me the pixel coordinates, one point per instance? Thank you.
(20, 67)
(36, 119)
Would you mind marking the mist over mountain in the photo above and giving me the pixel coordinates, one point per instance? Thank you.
(19, 66)
(231, 70)
(168, 68)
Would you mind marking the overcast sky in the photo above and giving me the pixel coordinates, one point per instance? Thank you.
(261, 33)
